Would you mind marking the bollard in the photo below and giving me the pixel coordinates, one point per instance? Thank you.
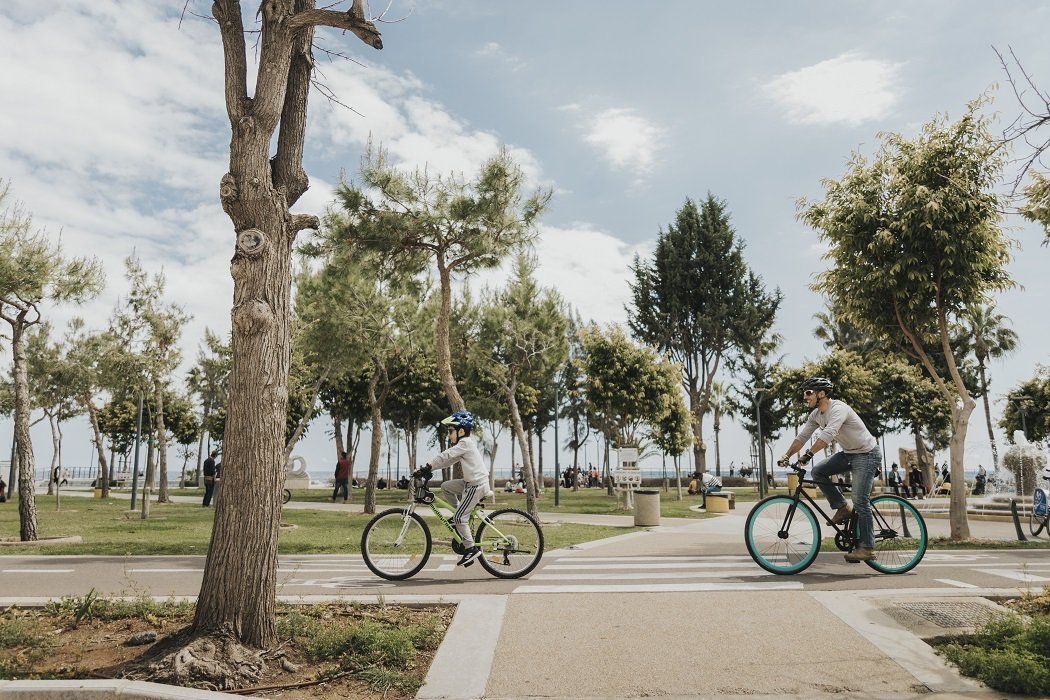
(646, 508)
(1017, 520)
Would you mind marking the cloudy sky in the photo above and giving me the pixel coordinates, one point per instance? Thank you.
(114, 134)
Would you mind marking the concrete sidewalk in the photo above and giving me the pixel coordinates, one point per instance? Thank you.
(782, 643)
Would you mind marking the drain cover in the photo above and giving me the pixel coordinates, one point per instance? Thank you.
(949, 614)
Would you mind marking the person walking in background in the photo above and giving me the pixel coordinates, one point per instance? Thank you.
(342, 478)
(980, 480)
(209, 478)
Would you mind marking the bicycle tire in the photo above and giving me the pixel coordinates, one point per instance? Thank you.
(515, 544)
(1037, 523)
(782, 555)
(286, 496)
(388, 558)
(900, 535)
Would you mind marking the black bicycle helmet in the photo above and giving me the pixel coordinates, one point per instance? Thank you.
(818, 384)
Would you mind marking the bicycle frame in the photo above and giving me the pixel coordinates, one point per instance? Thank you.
(879, 523)
(435, 507)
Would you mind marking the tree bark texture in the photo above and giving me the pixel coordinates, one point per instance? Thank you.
(238, 590)
(959, 522)
(23, 443)
(988, 416)
(444, 354)
(376, 443)
(103, 467)
(162, 444)
(523, 441)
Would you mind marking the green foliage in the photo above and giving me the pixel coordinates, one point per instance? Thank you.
(1038, 207)
(914, 235)
(696, 300)
(1009, 654)
(626, 386)
(1035, 407)
(209, 381)
(93, 607)
(21, 632)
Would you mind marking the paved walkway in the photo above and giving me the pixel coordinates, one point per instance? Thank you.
(777, 641)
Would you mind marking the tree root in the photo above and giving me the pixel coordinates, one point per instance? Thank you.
(215, 661)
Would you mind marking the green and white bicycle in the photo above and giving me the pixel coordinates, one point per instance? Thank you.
(396, 543)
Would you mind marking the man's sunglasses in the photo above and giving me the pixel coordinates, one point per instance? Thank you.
(808, 392)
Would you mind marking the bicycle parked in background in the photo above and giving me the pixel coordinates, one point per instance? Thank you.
(396, 543)
(1039, 517)
(783, 535)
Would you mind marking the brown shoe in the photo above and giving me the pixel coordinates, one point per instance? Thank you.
(842, 515)
(860, 554)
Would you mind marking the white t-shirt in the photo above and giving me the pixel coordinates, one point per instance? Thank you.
(840, 424)
(467, 454)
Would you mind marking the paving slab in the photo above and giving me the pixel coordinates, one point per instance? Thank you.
(685, 644)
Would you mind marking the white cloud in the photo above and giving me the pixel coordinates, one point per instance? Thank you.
(625, 139)
(589, 268)
(849, 89)
(417, 131)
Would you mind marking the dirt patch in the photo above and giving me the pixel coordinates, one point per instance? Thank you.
(329, 651)
(71, 539)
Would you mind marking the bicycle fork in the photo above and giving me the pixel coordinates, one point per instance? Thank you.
(406, 520)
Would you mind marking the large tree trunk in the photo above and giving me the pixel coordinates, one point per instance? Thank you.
(162, 445)
(23, 443)
(337, 430)
(988, 416)
(200, 448)
(54, 472)
(960, 526)
(147, 480)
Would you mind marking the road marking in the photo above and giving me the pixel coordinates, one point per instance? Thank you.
(39, 571)
(665, 575)
(728, 557)
(666, 565)
(953, 582)
(1022, 576)
(663, 588)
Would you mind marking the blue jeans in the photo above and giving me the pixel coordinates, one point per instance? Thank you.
(864, 467)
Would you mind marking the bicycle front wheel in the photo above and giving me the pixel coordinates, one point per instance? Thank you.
(396, 544)
(900, 535)
(511, 543)
(779, 546)
(1036, 523)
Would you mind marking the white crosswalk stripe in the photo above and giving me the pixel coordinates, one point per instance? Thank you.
(660, 574)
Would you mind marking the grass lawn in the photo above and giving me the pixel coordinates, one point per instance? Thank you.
(107, 527)
(590, 501)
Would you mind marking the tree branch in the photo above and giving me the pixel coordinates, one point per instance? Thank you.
(353, 21)
(287, 165)
(228, 14)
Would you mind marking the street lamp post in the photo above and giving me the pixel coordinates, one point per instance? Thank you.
(760, 447)
(557, 448)
(135, 466)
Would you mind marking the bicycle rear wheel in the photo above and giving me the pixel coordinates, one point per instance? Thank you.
(900, 535)
(774, 549)
(511, 543)
(286, 496)
(1036, 523)
(396, 544)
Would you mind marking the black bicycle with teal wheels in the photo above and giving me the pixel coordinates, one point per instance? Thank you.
(782, 533)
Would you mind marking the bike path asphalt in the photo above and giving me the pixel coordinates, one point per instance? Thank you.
(706, 643)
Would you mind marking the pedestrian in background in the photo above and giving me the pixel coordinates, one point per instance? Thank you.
(209, 478)
(342, 478)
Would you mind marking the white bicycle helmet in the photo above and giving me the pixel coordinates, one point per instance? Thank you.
(1045, 473)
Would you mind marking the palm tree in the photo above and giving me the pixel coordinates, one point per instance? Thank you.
(988, 337)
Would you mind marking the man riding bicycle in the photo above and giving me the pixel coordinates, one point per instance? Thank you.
(474, 485)
(831, 421)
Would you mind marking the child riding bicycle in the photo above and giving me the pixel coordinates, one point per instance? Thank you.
(831, 421)
(468, 491)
